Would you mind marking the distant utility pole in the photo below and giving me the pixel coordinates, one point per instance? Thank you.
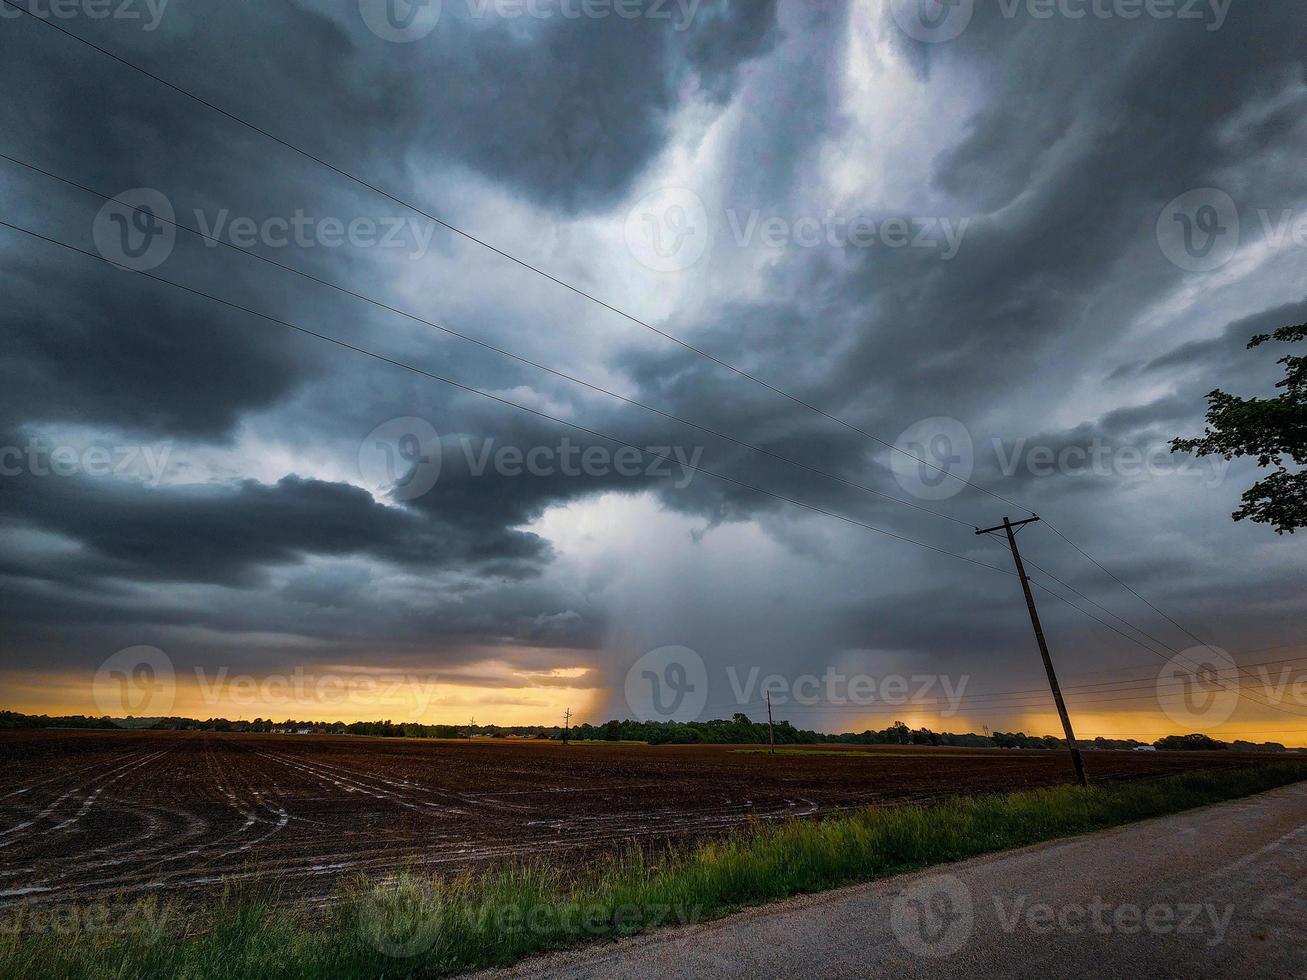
(567, 724)
(1012, 530)
(771, 732)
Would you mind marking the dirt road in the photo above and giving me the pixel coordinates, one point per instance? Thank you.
(1216, 892)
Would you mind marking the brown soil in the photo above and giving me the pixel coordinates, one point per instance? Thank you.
(95, 815)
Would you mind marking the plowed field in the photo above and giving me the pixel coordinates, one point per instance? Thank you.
(92, 815)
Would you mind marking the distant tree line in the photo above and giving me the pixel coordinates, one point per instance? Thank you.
(739, 730)
(383, 729)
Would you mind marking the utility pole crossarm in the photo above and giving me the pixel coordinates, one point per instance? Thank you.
(1015, 525)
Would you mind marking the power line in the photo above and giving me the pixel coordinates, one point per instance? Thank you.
(488, 346)
(462, 233)
(397, 363)
(306, 331)
(506, 401)
(557, 281)
(1123, 584)
(609, 438)
(1033, 699)
(1178, 656)
(1088, 695)
(541, 414)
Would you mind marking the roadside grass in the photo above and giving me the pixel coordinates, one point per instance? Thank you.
(421, 925)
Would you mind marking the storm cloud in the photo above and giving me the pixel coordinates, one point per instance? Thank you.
(892, 229)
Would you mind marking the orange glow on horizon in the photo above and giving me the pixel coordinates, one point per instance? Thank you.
(496, 693)
(507, 697)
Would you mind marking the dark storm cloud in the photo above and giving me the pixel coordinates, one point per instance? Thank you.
(1079, 162)
(225, 534)
(1227, 358)
(109, 348)
(566, 110)
(1059, 142)
(539, 108)
(570, 112)
(1083, 162)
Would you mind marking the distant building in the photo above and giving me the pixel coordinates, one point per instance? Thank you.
(1145, 748)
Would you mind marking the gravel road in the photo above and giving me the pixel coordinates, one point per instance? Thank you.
(1216, 892)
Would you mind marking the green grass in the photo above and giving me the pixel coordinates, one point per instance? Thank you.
(424, 926)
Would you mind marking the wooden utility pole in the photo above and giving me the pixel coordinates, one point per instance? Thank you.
(567, 724)
(1011, 530)
(771, 732)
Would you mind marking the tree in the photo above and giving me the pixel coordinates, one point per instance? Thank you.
(1189, 743)
(1272, 429)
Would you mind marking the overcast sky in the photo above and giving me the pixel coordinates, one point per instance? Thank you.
(1030, 244)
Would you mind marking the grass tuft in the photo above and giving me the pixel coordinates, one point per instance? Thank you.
(421, 926)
